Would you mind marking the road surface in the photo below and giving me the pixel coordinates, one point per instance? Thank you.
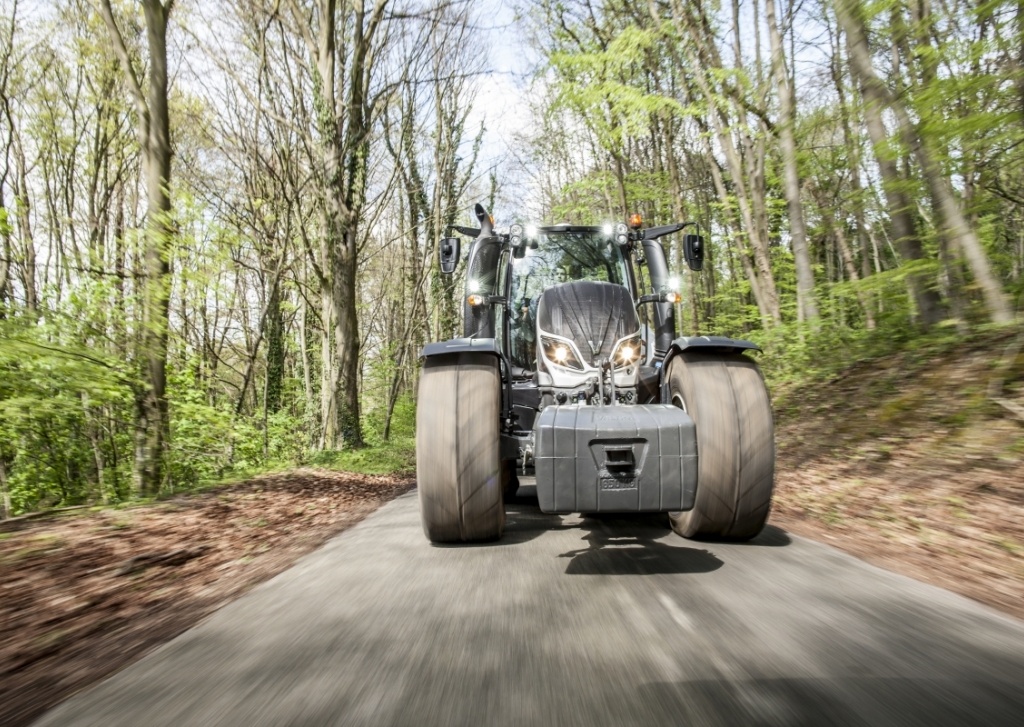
(566, 621)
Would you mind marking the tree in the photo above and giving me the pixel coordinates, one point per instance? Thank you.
(154, 134)
(950, 212)
(806, 305)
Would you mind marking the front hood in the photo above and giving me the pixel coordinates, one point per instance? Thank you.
(593, 315)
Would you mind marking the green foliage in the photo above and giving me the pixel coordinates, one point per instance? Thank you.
(397, 456)
(799, 354)
(379, 456)
(58, 405)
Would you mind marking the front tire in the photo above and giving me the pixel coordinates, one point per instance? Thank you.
(727, 399)
(458, 469)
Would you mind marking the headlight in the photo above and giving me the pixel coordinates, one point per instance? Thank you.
(561, 353)
(627, 352)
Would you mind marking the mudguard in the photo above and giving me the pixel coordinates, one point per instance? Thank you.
(461, 345)
(488, 346)
(700, 344)
(711, 344)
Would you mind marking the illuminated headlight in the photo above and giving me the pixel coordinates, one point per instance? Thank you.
(607, 229)
(531, 232)
(561, 353)
(473, 286)
(627, 352)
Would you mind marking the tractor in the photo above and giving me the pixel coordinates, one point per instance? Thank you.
(570, 372)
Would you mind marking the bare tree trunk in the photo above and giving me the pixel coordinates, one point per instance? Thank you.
(307, 379)
(28, 246)
(806, 304)
(6, 255)
(856, 188)
(344, 144)
(154, 138)
(5, 494)
(763, 304)
(328, 375)
(274, 324)
(929, 305)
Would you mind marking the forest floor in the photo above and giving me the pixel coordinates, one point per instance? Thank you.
(86, 592)
(909, 462)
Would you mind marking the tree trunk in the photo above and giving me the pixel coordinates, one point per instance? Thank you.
(760, 298)
(154, 138)
(856, 188)
(274, 324)
(346, 340)
(747, 179)
(5, 494)
(806, 304)
(28, 246)
(927, 300)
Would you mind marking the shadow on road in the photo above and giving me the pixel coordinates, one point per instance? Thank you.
(770, 537)
(619, 543)
(630, 545)
(524, 521)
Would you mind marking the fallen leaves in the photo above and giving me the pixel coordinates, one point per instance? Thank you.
(84, 595)
(937, 492)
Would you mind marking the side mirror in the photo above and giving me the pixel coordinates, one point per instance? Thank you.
(693, 251)
(449, 258)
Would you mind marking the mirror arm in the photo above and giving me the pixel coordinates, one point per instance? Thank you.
(653, 233)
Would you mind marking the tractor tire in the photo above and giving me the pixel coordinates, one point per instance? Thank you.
(458, 468)
(727, 399)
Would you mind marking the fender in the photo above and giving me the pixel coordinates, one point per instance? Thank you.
(461, 345)
(712, 344)
(489, 347)
(701, 344)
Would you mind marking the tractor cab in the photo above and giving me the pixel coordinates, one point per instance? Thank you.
(550, 257)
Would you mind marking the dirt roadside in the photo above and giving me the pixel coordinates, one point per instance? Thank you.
(84, 595)
(909, 464)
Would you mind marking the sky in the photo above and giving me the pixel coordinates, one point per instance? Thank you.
(503, 100)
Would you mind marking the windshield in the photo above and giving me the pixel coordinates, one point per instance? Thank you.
(559, 257)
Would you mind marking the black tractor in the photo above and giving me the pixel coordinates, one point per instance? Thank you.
(570, 372)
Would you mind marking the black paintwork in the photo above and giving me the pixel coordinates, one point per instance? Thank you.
(482, 274)
(593, 315)
(713, 344)
(461, 345)
(664, 313)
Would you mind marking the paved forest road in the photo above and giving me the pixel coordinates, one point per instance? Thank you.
(575, 622)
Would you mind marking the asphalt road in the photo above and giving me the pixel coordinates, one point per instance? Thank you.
(566, 621)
